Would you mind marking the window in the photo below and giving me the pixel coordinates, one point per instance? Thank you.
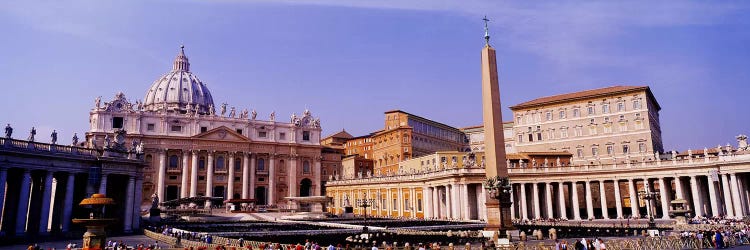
(606, 119)
(117, 122)
(261, 179)
(281, 167)
(636, 104)
(262, 134)
(237, 164)
(607, 129)
(204, 129)
(406, 204)
(306, 135)
(549, 116)
(641, 147)
(591, 110)
(605, 109)
(610, 150)
(220, 163)
(638, 125)
(578, 131)
(562, 114)
(201, 178)
(538, 136)
(576, 113)
(174, 161)
(282, 136)
(173, 177)
(625, 149)
(620, 106)
(239, 131)
(564, 133)
(202, 163)
(591, 121)
(306, 167)
(594, 151)
(531, 137)
(520, 138)
(395, 204)
(419, 205)
(150, 127)
(176, 128)
(261, 164)
(579, 152)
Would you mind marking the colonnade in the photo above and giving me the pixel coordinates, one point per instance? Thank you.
(255, 170)
(464, 201)
(720, 194)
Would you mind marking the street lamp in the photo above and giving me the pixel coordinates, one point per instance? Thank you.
(364, 204)
(649, 196)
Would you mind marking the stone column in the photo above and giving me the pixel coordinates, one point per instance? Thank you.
(618, 199)
(576, 205)
(739, 211)
(548, 195)
(664, 199)
(194, 176)
(316, 177)
(253, 158)
(23, 203)
(401, 205)
(3, 180)
(535, 198)
(103, 185)
(230, 177)
(727, 196)
(162, 173)
(513, 206)
(633, 199)
(293, 190)
(68, 205)
(184, 184)
(603, 194)
(678, 188)
(698, 203)
(713, 199)
(46, 203)
(465, 213)
(272, 179)
(427, 195)
(524, 208)
(435, 200)
(561, 200)
(481, 202)
(138, 201)
(210, 178)
(448, 205)
(245, 175)
(457, 201)
(589, 201)
(130, 198)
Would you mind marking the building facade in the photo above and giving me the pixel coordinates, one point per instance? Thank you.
(611, 124)
(43, 184)
(193, 150)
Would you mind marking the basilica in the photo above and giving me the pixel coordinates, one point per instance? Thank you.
(195, 148)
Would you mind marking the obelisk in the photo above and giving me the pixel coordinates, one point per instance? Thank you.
(494, 141)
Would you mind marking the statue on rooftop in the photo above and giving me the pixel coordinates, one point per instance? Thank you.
(98, 101)
(223, 109)
(211, 110)
(273, 116)
(254, 114)
(232, 113)
(32, 133)
(54, 136)
(8, 131)
(75, 139)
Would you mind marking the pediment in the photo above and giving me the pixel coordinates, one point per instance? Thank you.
(222, 134)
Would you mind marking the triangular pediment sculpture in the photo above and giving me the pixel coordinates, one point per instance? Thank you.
(223, 134)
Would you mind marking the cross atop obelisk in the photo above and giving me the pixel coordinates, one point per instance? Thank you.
(486, 31)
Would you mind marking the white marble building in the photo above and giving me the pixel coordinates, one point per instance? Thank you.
(194, 147)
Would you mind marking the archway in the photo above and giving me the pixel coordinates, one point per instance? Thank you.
(304, 187)
(219, 191)
(260, 196)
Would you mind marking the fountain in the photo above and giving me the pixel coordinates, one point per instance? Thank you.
(95, 237)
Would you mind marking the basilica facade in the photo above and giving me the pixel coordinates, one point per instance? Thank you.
(193, 147)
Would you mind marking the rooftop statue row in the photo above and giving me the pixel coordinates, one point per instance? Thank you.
(32, 135)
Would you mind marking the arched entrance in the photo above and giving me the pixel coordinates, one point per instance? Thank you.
(171, 194)
(304, 187)
(260, 196)
(219, 191)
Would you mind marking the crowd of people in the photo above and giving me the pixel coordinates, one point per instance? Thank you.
(582, 244)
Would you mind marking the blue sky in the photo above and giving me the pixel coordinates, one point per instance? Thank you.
(349, 61)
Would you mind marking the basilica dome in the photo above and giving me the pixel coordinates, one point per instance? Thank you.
(179, 90)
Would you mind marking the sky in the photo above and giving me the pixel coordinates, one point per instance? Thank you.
(350, 61)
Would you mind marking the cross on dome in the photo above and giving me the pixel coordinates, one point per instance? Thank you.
(181, 62)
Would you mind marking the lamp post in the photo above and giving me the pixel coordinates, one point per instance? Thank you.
(649, 196)
(364, 203)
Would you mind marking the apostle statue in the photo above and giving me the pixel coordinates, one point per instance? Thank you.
(211, 110)
(294, 117)
(75, 139)
(244, 113)
(32, 133)
(154, 201)
(273, 115)
(254, 114)
(54, 136)
(223, 109)
(8, 131)
(98, 101)
(189, 110)
(107, 141)
(232, 112)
